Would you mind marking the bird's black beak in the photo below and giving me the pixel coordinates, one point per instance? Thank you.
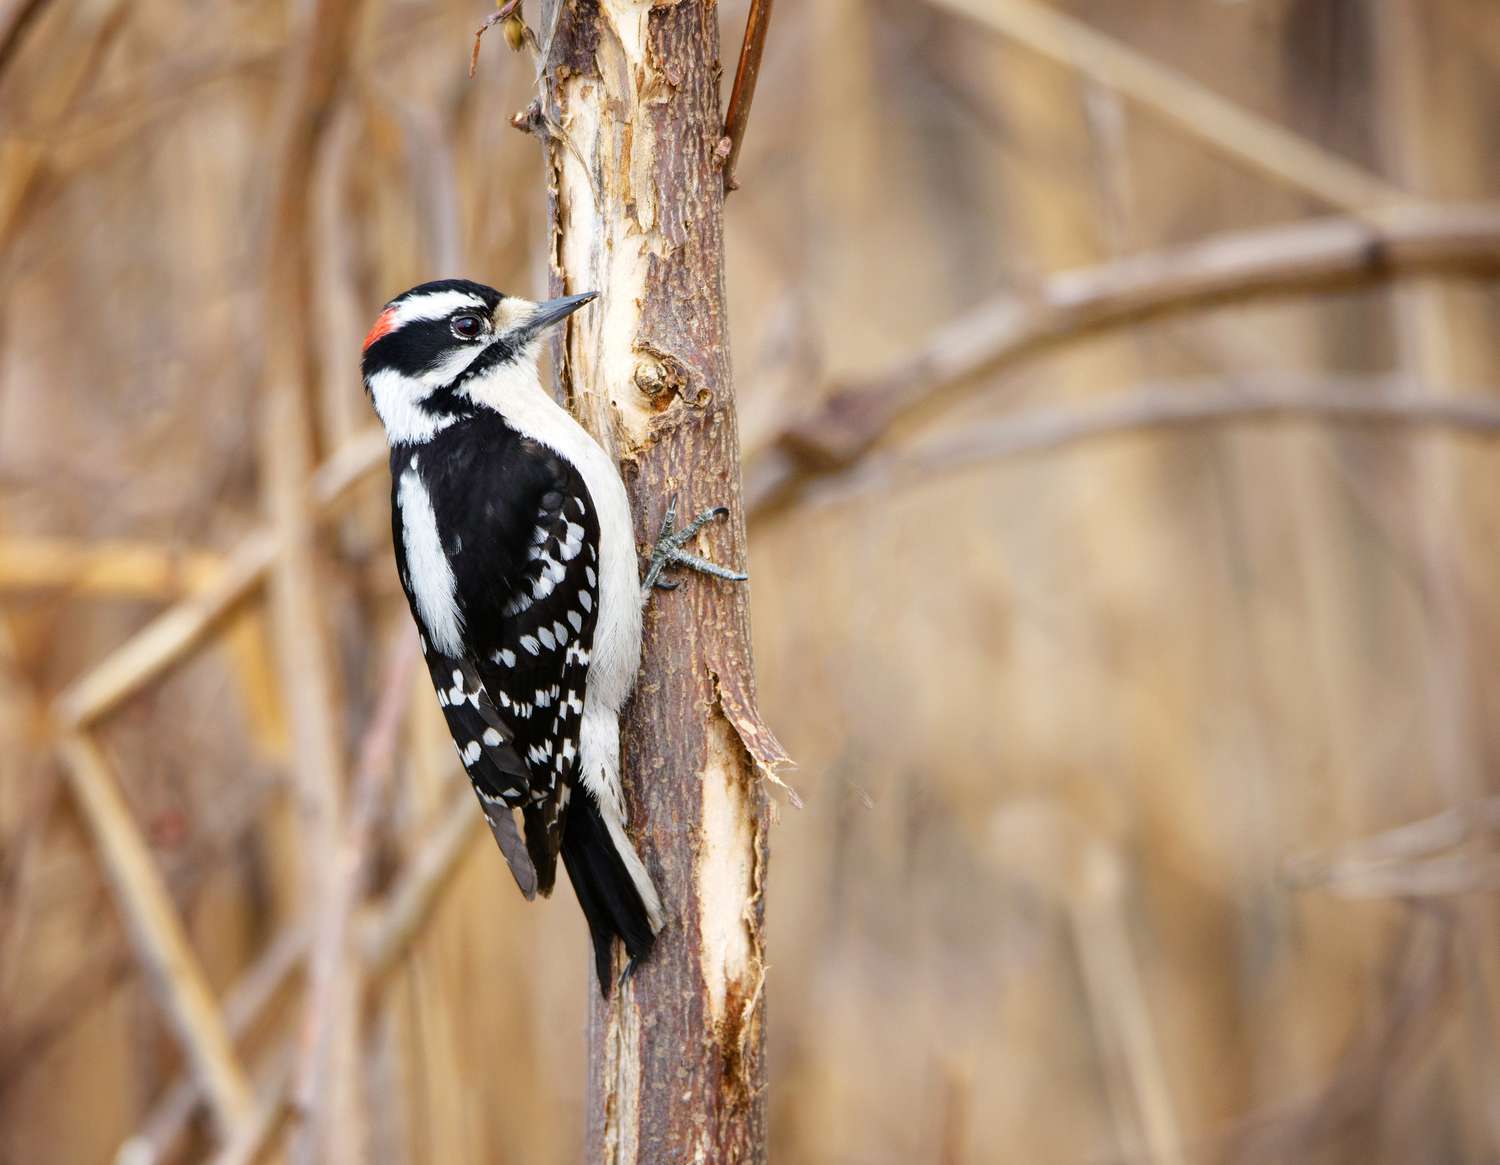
(555, 310)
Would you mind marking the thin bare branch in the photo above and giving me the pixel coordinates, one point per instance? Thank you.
(168, 638)
(394, 925)
(15, 17)
(329, 971)
(746, 73)
(1362, 401)
(315, 70)
(1441, 877)
(504, 13)
(1004, 330)
(251, 1140)
(135, 570)
(170, 968)
(21, 161)
(246, 1002)
(1221, 124)
(1406, 856)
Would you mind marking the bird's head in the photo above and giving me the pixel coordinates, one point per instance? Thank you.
(431, 341)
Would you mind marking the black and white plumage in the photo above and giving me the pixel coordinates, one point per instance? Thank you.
(516, 550)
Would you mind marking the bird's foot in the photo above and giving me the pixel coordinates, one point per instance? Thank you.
(669, 550)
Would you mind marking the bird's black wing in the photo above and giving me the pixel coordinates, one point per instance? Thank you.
(527, 579)
(486, 744)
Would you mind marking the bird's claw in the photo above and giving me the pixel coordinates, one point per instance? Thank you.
(669, 550)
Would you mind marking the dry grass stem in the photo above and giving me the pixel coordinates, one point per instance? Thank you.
(172, 973)
(1220, 124)
(245, 1005)
(167, 639)
(394, 924)
(329, 988)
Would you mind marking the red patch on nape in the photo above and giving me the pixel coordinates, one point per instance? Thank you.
(383, 327)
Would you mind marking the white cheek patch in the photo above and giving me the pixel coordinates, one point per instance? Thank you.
(400, 400)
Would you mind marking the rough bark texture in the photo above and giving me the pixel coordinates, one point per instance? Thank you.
(632, 120)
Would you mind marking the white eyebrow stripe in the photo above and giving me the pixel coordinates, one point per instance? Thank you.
(435, 305)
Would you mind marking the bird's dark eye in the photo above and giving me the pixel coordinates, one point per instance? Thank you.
(467, 326)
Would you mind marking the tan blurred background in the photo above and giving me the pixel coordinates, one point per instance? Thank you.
(1146, 776)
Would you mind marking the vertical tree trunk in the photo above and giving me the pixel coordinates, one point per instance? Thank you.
(631, 127)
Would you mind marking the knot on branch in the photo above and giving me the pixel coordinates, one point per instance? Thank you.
(531, 120)
(661, 377)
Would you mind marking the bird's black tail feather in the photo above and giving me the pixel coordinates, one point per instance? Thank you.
(611, 900)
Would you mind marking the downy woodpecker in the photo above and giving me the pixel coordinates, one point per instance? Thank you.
(515, 547)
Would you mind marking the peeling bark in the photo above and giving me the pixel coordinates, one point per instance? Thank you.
(630, 126)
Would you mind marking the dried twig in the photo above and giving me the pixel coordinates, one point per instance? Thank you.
(170, 968)
(1341, 400)
(393, 926)
(168, 638)
(1407, 860)
(314, 72)
(1223, 125)
(246, 1002)
(109, 568)
(1083, 872)
(1400, 1024)
(746, 73)
(1440, 877)
(1008, 328)
(504, 12)
(328, 970)
(21, 161)
(271, 1111)
(15, 17)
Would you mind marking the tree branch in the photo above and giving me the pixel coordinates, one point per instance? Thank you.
(1339, 400)
(245, 1003)
(171, 970)
(393, 926)
(746, 74)
(329, 995)
(1002, 331)
(135, 570)
(676, 1065)
(167, 639)
(1221, 124)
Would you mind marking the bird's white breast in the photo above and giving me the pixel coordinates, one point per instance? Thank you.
(515, 392)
